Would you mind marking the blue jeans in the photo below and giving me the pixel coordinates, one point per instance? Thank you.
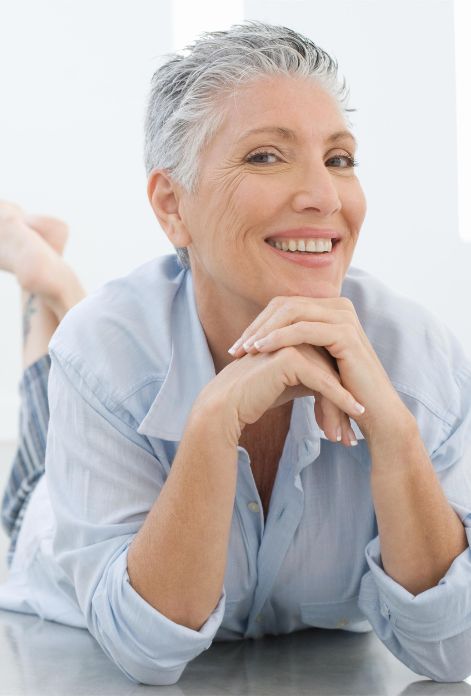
(28, 464)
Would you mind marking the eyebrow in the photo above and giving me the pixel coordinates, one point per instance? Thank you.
(288, 134)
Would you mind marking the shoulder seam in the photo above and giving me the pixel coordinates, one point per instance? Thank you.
(402, 388)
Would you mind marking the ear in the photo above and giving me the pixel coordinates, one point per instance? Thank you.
(165, 197)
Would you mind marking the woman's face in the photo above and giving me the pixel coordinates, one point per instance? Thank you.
(264, 184)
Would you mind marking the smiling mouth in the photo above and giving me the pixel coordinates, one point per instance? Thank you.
(313, 252)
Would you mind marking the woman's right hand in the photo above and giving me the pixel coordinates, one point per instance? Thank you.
(255, 383)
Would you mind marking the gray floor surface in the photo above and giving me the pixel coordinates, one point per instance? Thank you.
(42, 658)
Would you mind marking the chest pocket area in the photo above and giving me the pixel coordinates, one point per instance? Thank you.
(344, 615)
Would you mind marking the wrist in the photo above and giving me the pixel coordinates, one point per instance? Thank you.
(220, 421)
(391, 432)
(68, 291)
(394, 444)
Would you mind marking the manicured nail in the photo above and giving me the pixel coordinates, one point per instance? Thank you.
(359, 408)
(339, 434)
(261, 342)
(233, 348)
(248, 344)
(352, 438)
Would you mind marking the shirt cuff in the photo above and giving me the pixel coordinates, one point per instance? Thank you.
(146, 645)
(436, 614)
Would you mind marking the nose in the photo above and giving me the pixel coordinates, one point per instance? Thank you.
(317, 190)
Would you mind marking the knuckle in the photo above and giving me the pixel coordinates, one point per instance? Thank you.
(289, 352)
(276, 302)
(347, 303)
(349, 317)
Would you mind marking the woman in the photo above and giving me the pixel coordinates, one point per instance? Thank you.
(190, 494)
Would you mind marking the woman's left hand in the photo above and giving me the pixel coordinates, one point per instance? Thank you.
(333, 324)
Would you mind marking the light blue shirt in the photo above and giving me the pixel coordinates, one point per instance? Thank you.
(127, 364)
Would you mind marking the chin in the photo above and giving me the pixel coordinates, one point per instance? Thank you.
(315, 288)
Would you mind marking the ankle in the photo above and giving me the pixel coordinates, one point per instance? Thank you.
(69, 294)
(39, 323)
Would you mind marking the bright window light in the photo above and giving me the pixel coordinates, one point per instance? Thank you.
(192, 18)
(462, 12)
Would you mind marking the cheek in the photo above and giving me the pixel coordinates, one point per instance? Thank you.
(354, 206)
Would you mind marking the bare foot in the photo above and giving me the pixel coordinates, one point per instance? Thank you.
(54, 231)
(38, 267)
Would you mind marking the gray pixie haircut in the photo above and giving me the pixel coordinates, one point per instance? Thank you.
(186, 103)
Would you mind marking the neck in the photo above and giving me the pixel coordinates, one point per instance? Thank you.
(224, 317)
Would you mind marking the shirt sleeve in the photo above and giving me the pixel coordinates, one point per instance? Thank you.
(431, 632)
(103, 478)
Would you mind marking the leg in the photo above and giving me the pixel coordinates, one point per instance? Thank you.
(28, 464)
(39, 323)
(49, 288)
(44, 304)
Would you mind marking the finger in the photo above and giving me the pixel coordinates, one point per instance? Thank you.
(236, 348)
(318, 412)
(329, 310)
(348, 436)
(319, 380)
(332, 420)
(321, 407)
(281, 319)
(317, 334)
(351, 437)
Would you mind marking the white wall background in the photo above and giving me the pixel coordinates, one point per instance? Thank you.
(73, 83)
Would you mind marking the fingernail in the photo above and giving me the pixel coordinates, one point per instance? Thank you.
(248, 344)
(359, 408)
(233, 348)
(352, 438)
(261, 342)
(339, 434)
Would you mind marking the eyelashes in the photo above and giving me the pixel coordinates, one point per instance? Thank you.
(351, 161)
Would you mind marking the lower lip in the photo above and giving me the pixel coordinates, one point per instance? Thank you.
(306, 258)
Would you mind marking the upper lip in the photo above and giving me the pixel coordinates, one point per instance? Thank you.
(306, 233)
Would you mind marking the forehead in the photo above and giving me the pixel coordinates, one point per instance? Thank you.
(301, 106)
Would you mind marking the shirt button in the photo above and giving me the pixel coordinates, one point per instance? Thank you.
(259, 618)
(253, 506)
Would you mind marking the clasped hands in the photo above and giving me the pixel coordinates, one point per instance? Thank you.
(332, 327)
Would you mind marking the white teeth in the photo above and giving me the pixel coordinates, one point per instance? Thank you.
(311, 245)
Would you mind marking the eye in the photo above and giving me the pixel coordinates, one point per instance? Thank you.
(342, 162)
(254, 158)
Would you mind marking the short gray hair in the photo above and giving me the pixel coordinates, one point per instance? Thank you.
(185, 107)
